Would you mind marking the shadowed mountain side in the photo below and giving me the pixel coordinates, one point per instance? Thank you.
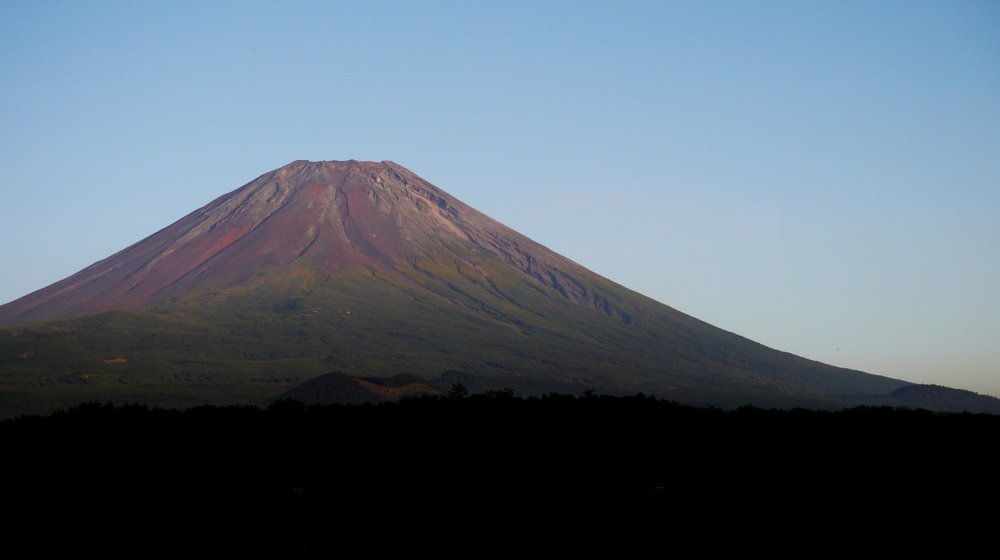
(363, 267)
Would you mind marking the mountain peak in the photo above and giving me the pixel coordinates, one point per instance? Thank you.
(337, 164)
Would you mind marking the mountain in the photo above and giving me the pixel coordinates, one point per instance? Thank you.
(364, 267)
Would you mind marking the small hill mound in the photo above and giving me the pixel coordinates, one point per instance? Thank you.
(340, 388)
(936, 397)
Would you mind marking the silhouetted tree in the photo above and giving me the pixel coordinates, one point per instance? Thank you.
(458, 391)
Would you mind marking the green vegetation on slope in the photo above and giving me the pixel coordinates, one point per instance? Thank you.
(251, 345)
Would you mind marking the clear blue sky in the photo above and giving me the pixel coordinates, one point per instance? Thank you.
(822, 177)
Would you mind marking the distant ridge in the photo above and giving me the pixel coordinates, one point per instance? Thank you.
(936, 397)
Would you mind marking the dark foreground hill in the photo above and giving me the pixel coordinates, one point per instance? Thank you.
(364, 267)
(435, 473)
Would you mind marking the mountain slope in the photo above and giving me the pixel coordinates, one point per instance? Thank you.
(365, 267)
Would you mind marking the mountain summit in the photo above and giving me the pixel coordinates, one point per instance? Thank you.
(365, 268)
(308, 223)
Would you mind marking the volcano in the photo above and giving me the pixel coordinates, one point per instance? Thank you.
(367, 269)
(310, 224)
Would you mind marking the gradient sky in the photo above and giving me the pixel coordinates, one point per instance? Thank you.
(822, 177)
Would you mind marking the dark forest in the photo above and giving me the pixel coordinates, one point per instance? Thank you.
(292, 477)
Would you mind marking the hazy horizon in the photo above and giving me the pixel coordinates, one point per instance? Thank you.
(820, 178)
